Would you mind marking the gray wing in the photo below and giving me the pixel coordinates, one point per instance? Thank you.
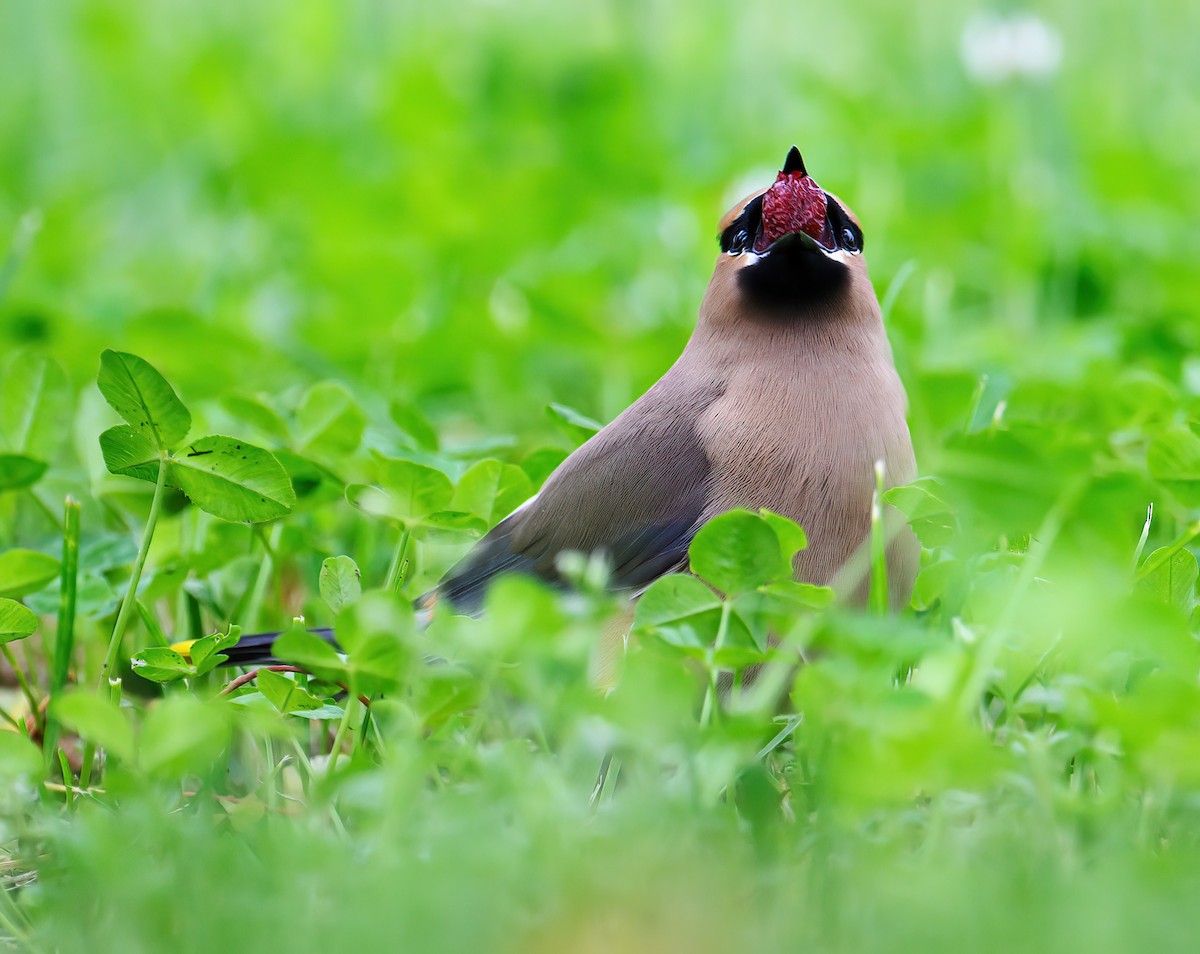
(636, 492)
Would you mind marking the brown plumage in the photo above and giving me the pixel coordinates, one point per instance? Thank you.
(784, 398)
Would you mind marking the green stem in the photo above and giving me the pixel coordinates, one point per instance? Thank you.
(271, 782)
(8, 717)
(340, 737)
(127, 604)
(85, 766)
(399, 567)
(1141, 544)
(708, 713)
(9, 914)
(309, 778)
(364, 729)
(64, 640)
(1162, 556)
(974, 680)
(151, 624)
(380, 746)
(68, 777)
(258, 591)
(63, 649)
(22, 681)
(976, 399)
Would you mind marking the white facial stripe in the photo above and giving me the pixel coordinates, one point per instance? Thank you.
(750, 258)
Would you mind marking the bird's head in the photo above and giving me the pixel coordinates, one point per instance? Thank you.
(792, 246)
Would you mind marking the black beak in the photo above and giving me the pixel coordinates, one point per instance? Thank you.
(794, 163)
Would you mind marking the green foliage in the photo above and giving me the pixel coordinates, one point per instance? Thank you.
(302, 648)
(233, 480)
(223, 476)
(284, 693)
(746, 557)
(579, 427)
(739, 551)
(340, 583)
(18, 471)
(95, 718)
(491, 489)
(165, 664)
(409, 256)
(23, 572)
(16, 621)
(328, 421)
(144, 399)
(34, 401)
(1173, 579)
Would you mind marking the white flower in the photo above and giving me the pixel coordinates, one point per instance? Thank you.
(996, 48)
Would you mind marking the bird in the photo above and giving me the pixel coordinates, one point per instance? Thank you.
(785, 397)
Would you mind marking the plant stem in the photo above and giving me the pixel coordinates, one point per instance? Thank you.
(151, 624)
(68, 778)
(1141, 544)
(8, 717)
(63, 649)
(271, 794)
(364, 729)
(974, 679)
(343, 726)
(8, 920)
(976, 399)
(708, 713)
(258, 591)
(64, 637)
(399, 567)
(127, 604)
(1163, 555)
(22, 681)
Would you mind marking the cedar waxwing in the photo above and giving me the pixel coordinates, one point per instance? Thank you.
(784, 398)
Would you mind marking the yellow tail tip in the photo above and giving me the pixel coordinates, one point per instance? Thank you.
(184, 648)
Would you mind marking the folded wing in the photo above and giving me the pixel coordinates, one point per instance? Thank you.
(635, 493)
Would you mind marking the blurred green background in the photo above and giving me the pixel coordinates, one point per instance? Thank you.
(479, 208)
(488, 205)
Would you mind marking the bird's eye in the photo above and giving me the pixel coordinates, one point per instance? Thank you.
(849, 241)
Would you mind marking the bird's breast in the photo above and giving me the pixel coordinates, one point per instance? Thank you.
(799, 434)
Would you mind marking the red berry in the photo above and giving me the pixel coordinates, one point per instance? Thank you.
(795, 203)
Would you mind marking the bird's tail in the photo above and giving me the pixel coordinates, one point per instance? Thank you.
(254, 649)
